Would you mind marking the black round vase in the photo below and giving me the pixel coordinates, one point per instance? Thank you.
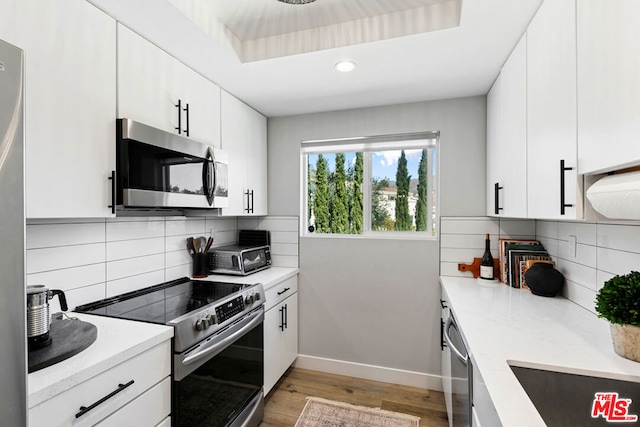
(543, 279)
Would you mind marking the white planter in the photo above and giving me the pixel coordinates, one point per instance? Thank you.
(626, 341)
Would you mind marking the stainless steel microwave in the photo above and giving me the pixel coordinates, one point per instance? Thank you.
(239, 260)
(159, 169)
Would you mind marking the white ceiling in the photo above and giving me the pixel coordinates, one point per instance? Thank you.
(279, 58)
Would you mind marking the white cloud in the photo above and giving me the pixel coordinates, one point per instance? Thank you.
(389, 157)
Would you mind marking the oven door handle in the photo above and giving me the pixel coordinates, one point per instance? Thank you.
(220, 345)
(451, 323)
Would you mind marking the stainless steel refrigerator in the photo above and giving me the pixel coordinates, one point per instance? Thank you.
(13, 341)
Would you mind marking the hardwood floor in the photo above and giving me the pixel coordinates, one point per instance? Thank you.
(285, 401)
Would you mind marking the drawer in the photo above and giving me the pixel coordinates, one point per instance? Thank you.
(147, 410)
(165, 423)
(280, 292)
(145, 370)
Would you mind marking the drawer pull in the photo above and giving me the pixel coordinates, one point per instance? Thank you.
(283, 291)
(85, 409)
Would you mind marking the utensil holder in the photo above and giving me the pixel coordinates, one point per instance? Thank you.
(200, 268)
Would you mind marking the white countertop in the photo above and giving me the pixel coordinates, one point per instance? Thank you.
(269, 277)
(502, 324)
(117, 341)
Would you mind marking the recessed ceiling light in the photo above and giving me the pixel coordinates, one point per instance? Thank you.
(345, 66)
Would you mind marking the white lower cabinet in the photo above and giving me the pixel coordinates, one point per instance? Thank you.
(136, 392)
(280, 330)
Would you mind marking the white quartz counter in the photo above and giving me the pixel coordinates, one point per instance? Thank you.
(117, 341)
(269, 277)
(502, 324)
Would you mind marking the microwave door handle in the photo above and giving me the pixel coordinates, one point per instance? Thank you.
(208, 176)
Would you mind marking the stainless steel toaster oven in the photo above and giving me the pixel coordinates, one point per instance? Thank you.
(238, 260)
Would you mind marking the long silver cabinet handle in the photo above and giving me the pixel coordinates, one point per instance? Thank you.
(450, 323)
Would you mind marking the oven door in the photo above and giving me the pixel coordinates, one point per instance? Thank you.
(219, 382)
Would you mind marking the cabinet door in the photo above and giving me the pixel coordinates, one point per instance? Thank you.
(69, 105)
(551, 112)
(244, 137)
(150, 84)
(608, 84)
(280, 340)
(507, 138)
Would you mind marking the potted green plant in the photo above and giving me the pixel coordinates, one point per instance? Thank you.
(618, 301)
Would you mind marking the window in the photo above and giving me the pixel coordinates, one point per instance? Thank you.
(400, 195)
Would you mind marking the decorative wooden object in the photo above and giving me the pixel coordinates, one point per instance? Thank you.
(474, 267)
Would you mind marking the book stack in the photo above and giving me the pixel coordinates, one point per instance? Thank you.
(516, 256)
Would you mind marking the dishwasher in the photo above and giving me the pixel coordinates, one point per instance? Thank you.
(456, 371)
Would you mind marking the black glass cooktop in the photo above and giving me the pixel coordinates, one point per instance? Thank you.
(162, 303)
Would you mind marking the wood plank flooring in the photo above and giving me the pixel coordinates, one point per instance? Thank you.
(285, 401)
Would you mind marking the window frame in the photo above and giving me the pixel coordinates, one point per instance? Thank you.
(370, 144)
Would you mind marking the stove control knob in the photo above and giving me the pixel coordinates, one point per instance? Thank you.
(210, 319)
(201, 324)
(249, 299)
(256, 296)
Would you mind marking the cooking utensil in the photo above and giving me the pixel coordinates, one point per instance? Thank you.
(196, 245)
(208, 245)
(203, 244)
(190, 245)
(38, 317)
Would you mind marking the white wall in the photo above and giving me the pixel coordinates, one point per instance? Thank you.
(368, 307)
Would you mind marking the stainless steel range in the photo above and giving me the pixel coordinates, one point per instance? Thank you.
(218, 360)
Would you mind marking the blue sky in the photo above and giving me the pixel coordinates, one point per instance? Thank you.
(384, 163)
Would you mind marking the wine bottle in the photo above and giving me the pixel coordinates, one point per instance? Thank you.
(486, 265)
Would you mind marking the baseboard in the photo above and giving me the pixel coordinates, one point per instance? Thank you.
(370, 372)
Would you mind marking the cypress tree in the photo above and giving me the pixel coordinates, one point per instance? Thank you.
(340, 210)
(421, 206)
(321, 200)
(379, 215)
(403, 219)
(356, 211)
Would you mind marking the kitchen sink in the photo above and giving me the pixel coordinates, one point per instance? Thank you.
(567, 399)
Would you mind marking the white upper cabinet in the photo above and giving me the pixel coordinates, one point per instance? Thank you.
(156, 89)
(70, 80)
(608, 84)
(507, 138)
(552, 113)
(244, 137)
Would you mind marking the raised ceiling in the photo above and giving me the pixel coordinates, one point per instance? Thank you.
(279, 58)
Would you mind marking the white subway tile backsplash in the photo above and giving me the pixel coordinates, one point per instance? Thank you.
(551, 245)
(471, 241)
(278, 223)
(52, 235)
(47, 259)
(173, 273)
(249, 223)
(469, 226)
(134, 266)
(70, 278)
(580, 295)
(284, 237)
(124, 249)
(130, 230)
(517, 229)
(546, 229)
(185, 227)
(284, 261)
(176, 258)
(622, 237)
(284, 249)
(618, 262)
(222, 238)
(578, 273)
(585, 233)
(464, 255)
(133, 283)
